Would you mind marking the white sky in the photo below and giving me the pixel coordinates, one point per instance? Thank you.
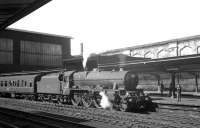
(108, 24)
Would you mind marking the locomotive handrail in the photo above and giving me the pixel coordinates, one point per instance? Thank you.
(28, 72)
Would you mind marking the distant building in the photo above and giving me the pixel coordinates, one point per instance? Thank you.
(25, 50)
(73, 63)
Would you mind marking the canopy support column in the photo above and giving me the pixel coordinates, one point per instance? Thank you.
(196, 81)
(172, 84)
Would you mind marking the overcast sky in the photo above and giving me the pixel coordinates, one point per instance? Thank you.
(108, 24)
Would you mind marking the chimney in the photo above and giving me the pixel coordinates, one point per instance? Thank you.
(81, 49)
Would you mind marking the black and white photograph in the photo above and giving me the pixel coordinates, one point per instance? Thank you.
(99, 64)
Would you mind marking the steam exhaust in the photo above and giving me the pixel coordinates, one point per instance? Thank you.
(85, 56)
(105, 103)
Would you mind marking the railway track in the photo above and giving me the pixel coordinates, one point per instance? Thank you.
(179, 107)
(18, 119)
(97, 117)
(104, 118)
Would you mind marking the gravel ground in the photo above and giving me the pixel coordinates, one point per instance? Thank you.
(163, 118)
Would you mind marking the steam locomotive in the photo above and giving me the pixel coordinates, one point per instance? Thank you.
(78, 88)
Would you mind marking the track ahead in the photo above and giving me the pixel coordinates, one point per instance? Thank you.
(179, 107)
(17, 119)
(163, 118)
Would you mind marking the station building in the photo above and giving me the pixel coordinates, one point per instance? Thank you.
(22, 50)
(170, 62)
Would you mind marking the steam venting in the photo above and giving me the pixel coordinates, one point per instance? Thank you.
(105, 103)
(85, 57)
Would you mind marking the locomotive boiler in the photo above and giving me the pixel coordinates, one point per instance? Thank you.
(80, 88)
(119, 86)
(106, 79)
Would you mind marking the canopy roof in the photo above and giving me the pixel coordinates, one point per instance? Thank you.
(189, 63)
(13, 10)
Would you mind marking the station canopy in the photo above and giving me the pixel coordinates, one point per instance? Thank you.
(189, 63)
(13, 10)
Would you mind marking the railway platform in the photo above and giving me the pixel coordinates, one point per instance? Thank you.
(165, 93)
(188, 98)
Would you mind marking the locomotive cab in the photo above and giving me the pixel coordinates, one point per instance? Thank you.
(67, 82)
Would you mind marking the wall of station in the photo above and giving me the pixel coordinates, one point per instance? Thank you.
(6, 51)
(40, 54)
(149, 82)
(22, 50)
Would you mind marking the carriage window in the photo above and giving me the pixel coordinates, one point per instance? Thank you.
(6, 84)
(30, 84)
(9, 83)
(1, 83)
(25, 83)
(18, 83)
(13, 83)
(22, 83)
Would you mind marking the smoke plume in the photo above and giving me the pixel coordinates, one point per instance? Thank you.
(85, 57)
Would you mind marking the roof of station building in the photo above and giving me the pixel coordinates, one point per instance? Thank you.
(152, 44)
(13, 10)
(35, 33)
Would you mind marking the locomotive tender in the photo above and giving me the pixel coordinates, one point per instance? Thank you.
(79, 88)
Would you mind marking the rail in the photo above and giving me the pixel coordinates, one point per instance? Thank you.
(25, 119)
(179, 107)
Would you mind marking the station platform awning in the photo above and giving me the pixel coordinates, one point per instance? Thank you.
(13, 10)
(189, 63)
